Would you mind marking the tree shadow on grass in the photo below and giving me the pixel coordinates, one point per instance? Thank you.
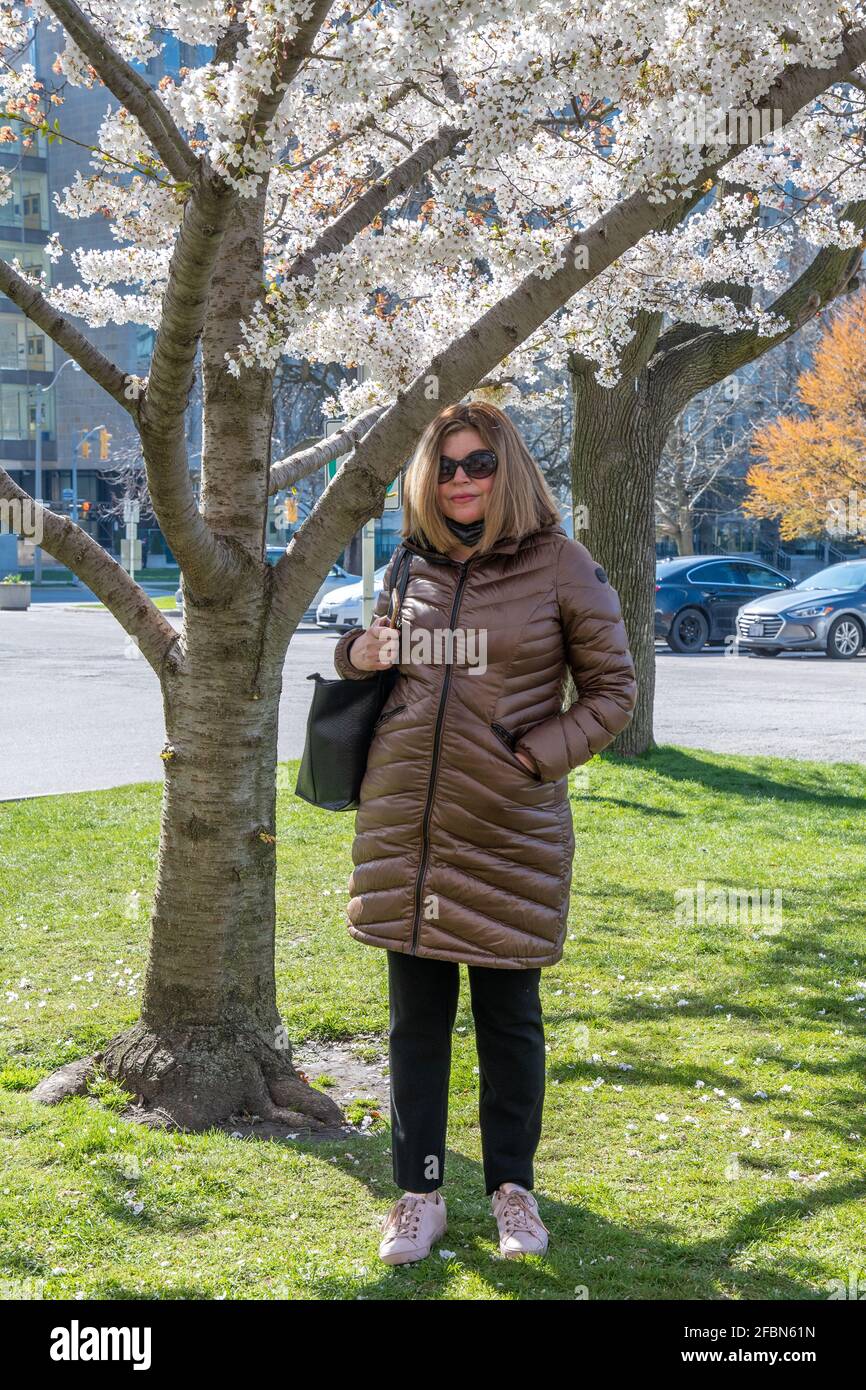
(813, 784)
(592, 804)
(687, 1075)
(592, 1257)
(589, 1257)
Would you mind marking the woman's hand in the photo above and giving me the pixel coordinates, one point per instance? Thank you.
(368, 651)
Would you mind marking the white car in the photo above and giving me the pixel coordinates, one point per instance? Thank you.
(336, 578)
(341, 608)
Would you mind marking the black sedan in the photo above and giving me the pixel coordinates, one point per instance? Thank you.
(698, 597)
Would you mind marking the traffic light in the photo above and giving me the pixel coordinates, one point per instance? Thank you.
(85, 448)
(290, 507)
(104, 441)
(85, 507)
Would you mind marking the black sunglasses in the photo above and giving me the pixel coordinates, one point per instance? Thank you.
(479, 464)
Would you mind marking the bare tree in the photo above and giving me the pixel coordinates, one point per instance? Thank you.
(704, 444)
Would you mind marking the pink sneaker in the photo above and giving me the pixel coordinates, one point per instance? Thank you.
(521, 1229)
(411, 1227)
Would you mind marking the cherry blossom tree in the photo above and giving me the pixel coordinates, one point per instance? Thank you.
(620, 432)
(258, 203)
(708, 294)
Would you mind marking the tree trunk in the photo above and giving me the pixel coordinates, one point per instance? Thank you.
(617, 441)
(685, 538)
(210, 1043)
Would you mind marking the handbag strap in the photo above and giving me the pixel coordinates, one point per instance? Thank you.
(401, 568)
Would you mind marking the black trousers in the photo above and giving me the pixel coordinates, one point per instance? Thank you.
(509, 1037)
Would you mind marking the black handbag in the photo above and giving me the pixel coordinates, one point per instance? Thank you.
(341, 721)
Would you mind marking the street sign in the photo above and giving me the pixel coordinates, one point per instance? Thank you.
(67, 494)
(394, 495)
(333, 465)
(131, 512)
(130, 554)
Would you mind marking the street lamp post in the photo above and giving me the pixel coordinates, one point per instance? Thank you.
(37, 487)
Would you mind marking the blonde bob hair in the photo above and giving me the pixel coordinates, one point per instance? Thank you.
(519, 502)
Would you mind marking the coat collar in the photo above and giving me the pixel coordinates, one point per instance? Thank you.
(506, 545)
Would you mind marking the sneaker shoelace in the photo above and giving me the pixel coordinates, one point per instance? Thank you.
(404, 1217)
(519, 1214)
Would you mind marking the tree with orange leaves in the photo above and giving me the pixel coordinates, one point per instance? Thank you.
(813, 475)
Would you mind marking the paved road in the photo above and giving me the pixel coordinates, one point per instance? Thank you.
(790, 706)
(81, 710)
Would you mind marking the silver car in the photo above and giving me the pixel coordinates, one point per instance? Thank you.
(824, 613)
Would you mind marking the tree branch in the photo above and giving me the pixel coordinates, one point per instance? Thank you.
(688, 367)
(131, 89)
(206, 560)
(357, 492)
(137, 614)
(394, 184)
(162, 413)
(289, 64)
(366, 123)
(303, 461)
(300, 464)
(34, 304)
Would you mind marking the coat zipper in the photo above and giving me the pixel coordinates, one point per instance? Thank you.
(425, 820)
(389, 714)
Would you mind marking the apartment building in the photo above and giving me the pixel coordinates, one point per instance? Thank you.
(83, 431)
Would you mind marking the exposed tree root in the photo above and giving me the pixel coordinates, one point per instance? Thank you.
(200, 1077)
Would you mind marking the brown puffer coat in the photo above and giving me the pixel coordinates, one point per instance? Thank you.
(461, 852)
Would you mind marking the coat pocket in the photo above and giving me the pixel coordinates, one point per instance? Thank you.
(509, 740)
(395, 709)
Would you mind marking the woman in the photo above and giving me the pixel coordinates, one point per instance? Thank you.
(463, 836)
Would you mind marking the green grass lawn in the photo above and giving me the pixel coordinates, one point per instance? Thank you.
(167, 602)
(705, 1127)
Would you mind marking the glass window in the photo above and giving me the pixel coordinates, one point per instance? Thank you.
(28, 206)
(40, 350)
(717, 573)
(32, 143)
(31, 258)
(18, 412)
(23, 345)
(14, 412)
(144, 339)
(844, 577)
(759, 577)
(11, 343)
